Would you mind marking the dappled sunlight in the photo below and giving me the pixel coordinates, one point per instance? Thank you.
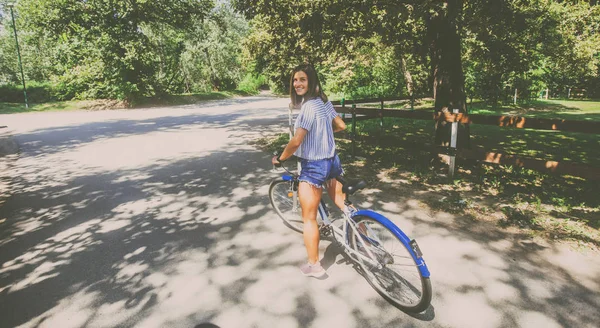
(537, 319)
(248, 317)
(587, 278)
(277, 299)
(176, 229)
(137, 195)
(481, 313)
(140, 150)
(42, 271)
(496, 275)
(34, 222)
(72, 311)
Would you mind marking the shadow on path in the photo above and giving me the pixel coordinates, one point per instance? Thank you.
(192, 239)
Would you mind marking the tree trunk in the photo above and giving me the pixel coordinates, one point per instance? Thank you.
(408, 78)
(447, 73)
(406, 72)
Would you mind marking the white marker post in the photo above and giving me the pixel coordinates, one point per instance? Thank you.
(453, 138)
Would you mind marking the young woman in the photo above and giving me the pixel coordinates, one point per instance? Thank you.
(313, 143)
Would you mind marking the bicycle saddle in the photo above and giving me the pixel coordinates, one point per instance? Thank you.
(350, 188)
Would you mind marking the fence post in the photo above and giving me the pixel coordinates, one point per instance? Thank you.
(515, 98)
(343, 102)
(353, 130)
(569, 94)
(453, 139)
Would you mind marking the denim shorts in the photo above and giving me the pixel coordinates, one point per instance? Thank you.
(317, 172)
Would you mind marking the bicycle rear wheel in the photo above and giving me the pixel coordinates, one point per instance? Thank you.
(285, 202)
(397, 278)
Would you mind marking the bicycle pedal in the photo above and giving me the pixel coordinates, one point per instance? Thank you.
(325, 230)
(342, 261)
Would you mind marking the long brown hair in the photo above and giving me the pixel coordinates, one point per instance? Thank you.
(314, 85)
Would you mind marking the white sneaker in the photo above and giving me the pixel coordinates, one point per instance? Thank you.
(313, 270)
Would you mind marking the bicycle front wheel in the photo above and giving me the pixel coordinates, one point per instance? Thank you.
(393, 272)
(284, 200)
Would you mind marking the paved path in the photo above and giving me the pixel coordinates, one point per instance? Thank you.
(160, 218)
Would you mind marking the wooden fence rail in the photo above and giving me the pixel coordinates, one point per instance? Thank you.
(592, 127)
(575, 169)
(373, 100)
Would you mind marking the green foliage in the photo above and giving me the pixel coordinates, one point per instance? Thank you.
(102, 49)
(252, 83)
(356, 46)
(529, 47)
(373, 71)
(574, 59)
(359, 47)
(36, 93)
(212, 56)
(8, 59)
(273, 144)
(135, 49)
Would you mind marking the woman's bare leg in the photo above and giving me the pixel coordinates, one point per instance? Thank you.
(310, 196)
(334, 189)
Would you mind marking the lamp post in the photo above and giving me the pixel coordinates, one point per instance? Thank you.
(11, 4)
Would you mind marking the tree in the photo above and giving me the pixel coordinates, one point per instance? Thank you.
(313, 31)
(102, 44)
(501, 44)
(8, 59)
(212, 59)
(446, 69)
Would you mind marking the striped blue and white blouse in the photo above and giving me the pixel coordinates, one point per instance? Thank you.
(316, 117)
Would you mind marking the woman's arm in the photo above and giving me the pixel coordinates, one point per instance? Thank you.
(292, 146)
(338, 124)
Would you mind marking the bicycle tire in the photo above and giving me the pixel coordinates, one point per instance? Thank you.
(282, 202)
(399, 281)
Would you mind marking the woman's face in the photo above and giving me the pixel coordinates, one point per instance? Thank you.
(300, 83)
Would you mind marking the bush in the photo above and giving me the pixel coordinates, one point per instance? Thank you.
(37, 92)
(252, 84)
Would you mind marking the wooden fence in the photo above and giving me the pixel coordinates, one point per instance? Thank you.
(555, 167)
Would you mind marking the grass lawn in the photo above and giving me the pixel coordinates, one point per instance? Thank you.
(105, 104)
(582, 110)
(14, 108)
(537, 144)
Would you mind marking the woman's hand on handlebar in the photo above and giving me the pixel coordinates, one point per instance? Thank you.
(275, 162)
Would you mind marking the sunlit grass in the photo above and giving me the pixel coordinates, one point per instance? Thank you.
(584, 110)
(14, 108)
(104, 104)
(539, 144)
(186, 99)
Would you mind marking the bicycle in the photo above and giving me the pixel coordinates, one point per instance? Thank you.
(391, 262)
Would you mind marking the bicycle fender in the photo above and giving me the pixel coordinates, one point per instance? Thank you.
(401, 235)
